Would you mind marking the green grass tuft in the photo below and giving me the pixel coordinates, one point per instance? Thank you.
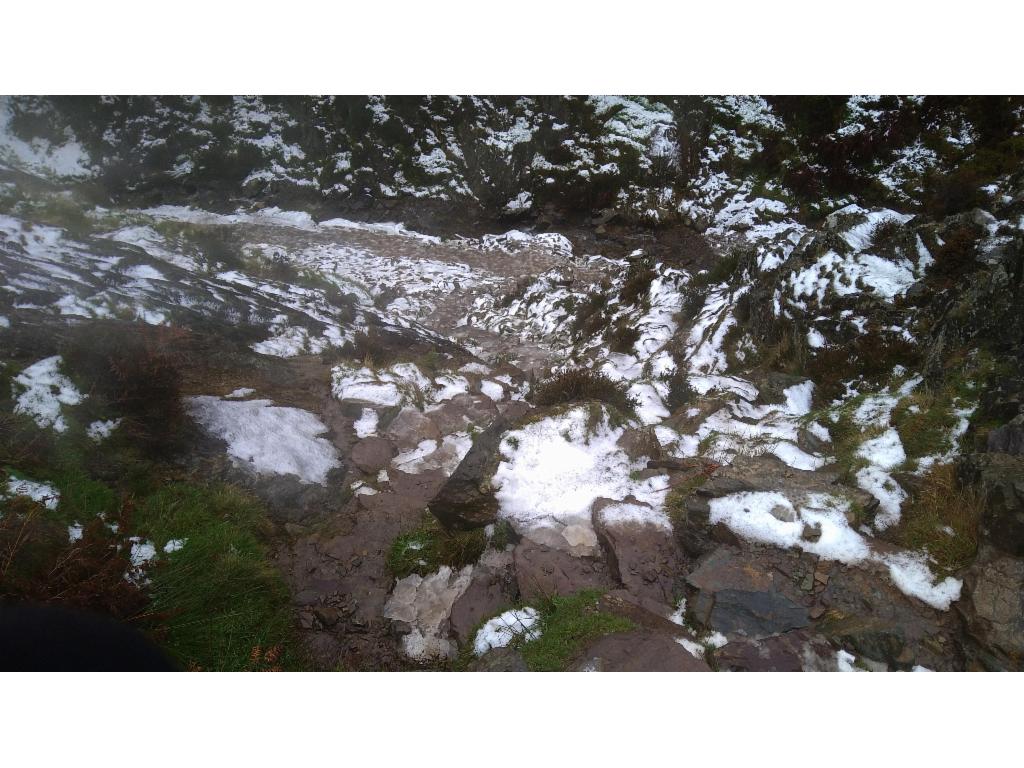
(567, 625)
(219, 597)
(430, 546)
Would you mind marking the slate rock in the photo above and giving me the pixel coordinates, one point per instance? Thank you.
(737, 591)
(638, 651)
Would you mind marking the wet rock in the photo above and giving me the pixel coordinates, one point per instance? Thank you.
(543, 571)
(463, 412)
(467, 500)
(1001, 478)
(811, 443)
(796, 651)
(638, 651)
(683, 464)
(499, 660)
(811, 532)
(1008, 438)
(769, 473)
(372, 454)
(741, 592)
(409, 494)
(491, 590)
(643, 557)
(640, 442)
(993, 609)
(514, 409)
(409, 428)
(868, 615)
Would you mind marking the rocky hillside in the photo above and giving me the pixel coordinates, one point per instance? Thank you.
(638, 383)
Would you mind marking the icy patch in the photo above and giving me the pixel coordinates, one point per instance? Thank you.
(42, 493)
(430, 454)
(425, 603)
(44, 390)
(500, 631)
(99, 431)
(268, 439)
(240, 393)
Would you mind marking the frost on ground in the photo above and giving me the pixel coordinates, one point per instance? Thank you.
(268, 439)
(44, 493)
(99, 431)
(41, 390)
(500, 631)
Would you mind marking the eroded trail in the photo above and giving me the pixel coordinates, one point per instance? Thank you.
(370, 384)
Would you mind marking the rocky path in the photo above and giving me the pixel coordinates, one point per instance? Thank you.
(369, 384)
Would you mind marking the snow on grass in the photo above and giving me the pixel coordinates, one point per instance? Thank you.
(99, 431)
(240, 393)
(890, 495)
(910, 572)
(552, 471)
(267, 439)
(173, 545)
(515, 241)
(366, 424)
(43, 493)
(770, 517)
(885, 451)
(773, 428)
(4, 322)
(154, 244)
(500, 631)
(39, 156)
(43, 390)
(75, 533)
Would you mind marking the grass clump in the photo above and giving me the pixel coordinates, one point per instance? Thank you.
(218, 597)
(590, 315)
(577, 384)
(430, 546)
(639, 276)
(924, 421)
(680, 393)
(942, 518)
(567, 625)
